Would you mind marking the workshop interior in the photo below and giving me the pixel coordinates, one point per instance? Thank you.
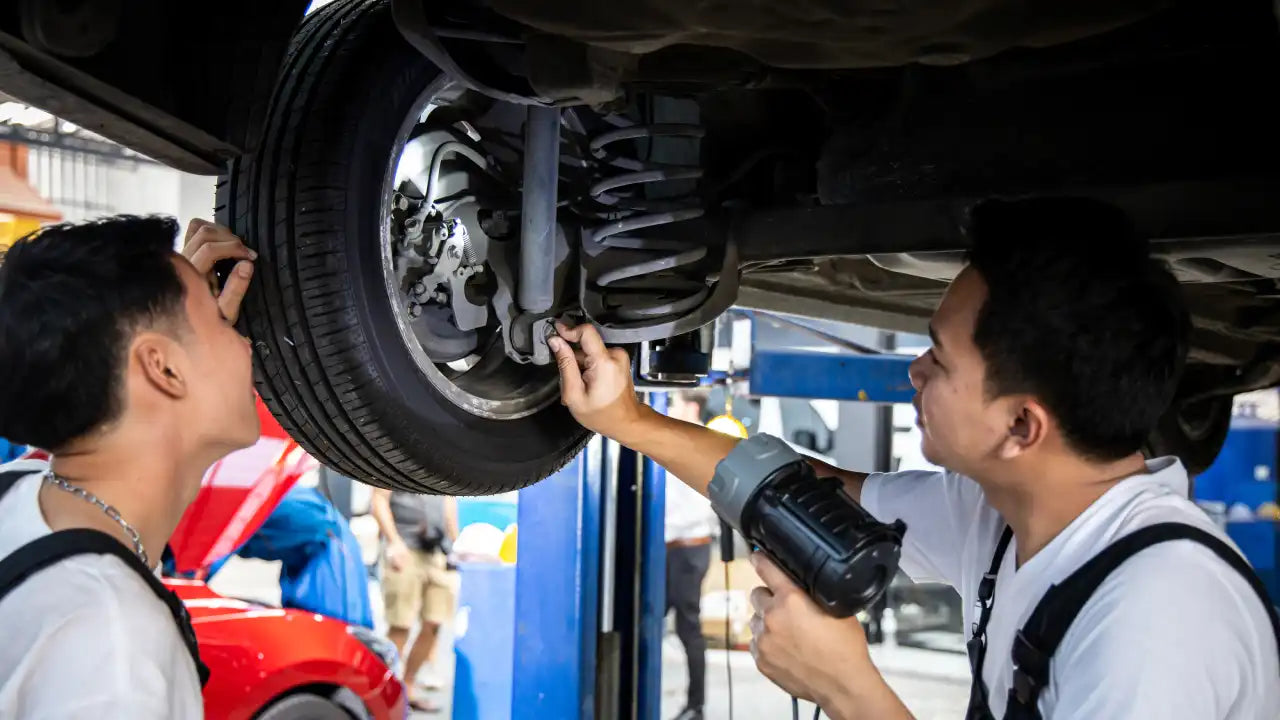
(764, 201)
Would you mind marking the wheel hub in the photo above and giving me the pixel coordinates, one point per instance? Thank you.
(437, 254)
(435, 263)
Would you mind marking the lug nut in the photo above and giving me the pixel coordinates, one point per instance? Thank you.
(415, 310)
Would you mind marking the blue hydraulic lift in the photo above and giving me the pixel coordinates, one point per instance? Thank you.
(589, 581)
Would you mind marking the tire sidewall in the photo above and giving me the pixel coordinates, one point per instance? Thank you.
(427, 414)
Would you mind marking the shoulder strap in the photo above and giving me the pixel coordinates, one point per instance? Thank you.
(977, 644)
(10, 478)
(1035, 644)
(50, 549)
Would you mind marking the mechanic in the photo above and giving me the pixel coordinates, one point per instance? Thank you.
(1055, 352)
(418, 583)
(120, 359)
(689, 530)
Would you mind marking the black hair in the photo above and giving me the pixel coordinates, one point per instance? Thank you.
(72, 296)
(1079, 315)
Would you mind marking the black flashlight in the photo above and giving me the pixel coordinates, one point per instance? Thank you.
(827, 543)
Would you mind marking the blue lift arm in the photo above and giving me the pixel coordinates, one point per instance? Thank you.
(866, 378)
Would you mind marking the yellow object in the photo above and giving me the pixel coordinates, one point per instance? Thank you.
(1269, 511)
(507, 551)
(729, 425)
(13, 227)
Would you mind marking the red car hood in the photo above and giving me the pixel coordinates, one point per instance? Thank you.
(236, 495)
(205, 605)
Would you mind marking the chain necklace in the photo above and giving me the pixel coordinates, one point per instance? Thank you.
(59, 482)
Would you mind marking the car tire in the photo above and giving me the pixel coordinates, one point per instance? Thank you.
(329, 359)
(1193, 432)
(304, 706)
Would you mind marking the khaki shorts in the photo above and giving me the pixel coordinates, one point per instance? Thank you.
(425, 590)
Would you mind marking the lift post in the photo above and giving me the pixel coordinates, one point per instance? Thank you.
(591, 571)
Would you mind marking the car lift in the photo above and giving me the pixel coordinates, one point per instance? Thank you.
(589, 581)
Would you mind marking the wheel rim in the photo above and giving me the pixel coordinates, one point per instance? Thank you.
(484, 382)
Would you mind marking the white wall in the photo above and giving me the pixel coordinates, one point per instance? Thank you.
(85, 186)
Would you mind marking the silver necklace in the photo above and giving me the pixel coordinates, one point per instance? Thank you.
(59, 482)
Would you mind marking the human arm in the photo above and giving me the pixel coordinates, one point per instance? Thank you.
(815, 656)
(397, 550)
(451, 517)
(204, 245)
(596, 386)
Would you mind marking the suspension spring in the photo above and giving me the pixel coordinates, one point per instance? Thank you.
(641, 284)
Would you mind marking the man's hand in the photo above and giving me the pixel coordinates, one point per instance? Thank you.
(204, 245)
(398, 555)
(813, 655)
(595, 381)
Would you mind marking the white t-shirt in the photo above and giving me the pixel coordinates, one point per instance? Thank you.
(86, 638)
(1173, 633)
(688, 513)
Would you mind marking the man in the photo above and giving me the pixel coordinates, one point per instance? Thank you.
(690, 527)
(120, 358)
(1055, 352)
(417, 583)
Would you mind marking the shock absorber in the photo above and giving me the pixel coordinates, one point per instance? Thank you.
(637, 286)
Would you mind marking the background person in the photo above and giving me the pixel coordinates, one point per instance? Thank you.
(418, 583)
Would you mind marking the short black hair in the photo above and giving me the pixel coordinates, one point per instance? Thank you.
(73, 295)
(1079, 315)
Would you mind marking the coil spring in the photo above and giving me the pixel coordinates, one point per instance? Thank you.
(645, 287)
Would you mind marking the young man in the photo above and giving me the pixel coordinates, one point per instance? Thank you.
(417, 584)
(690, 527)
(1055, 352)
(120, 359)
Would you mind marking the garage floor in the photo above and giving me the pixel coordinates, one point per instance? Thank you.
(933, 684)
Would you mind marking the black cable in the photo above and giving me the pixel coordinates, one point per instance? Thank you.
(795, 708)
(728, 661)
(817, 712)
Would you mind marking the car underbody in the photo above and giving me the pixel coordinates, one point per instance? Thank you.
(655, 165)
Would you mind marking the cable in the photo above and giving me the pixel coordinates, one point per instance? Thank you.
(728, 661)
(795, 709)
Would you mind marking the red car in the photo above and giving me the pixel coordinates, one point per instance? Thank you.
(270, 663)
(283, 664)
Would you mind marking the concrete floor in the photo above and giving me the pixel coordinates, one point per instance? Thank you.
(933, 684)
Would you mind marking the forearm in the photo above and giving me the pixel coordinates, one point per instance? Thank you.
(870, 701)
(688, 451)
(381, 508)
(691, 452)
(451, 518)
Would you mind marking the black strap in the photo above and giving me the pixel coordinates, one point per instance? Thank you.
(50, 549)
(977, 644)
(1035, 644)
(10, 478)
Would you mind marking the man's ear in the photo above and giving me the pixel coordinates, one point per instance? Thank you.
(1028, 424)
(161, 362)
